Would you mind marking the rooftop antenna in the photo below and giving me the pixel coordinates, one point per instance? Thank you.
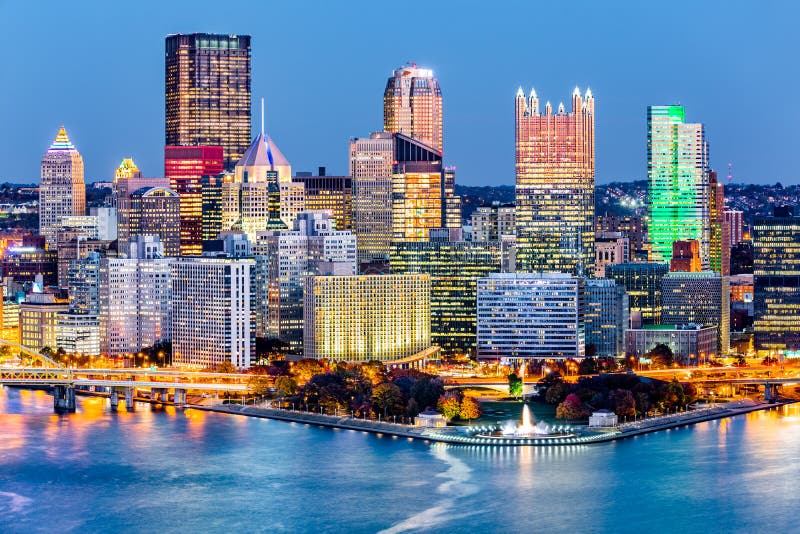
(730, 172)
(262, 115)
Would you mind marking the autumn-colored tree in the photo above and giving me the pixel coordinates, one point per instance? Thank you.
(470, 409)
(306, 368)
(556, 393)
(571, 408)
(259, 385)
(375, 372)
(286, 386)
(450, 405)
(225, 367)
(387, 398)
(623, 402)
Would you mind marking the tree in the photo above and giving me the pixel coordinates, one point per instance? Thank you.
(623, 402)
(470, 409)
(286, 386)
(514, 385)
(259, 385)
(556, 393)
(450, 405)
(591, 350)
(673, 395)
(588, 366)
(375, 371)
(661, 355)
(387, 397)
(571, 408)
(306, 368)
(427, 391)
(225, 367)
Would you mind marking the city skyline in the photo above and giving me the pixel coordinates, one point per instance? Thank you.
(111, 101)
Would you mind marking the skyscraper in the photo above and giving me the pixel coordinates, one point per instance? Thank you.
(719, 237)
(62, 191)
(555, 185)
(155, 211)
(412, 105)
(678, 183)
(776, 277)
(701, 298)
(185, 166)
(207, 89)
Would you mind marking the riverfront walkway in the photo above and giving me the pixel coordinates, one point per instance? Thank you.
(462, 435)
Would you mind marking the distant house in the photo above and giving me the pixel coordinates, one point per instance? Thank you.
(603, 419)
(430, 419)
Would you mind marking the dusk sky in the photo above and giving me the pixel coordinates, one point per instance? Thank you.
(98, 68)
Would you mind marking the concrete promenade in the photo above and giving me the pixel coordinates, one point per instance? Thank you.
(464, 436)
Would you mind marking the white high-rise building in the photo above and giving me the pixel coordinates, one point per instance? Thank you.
(371, 160)
(211, 321)
(530, 316)
(135, 298)
(62, 191)
(313, 247)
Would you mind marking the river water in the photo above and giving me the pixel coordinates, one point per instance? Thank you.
(172, 470)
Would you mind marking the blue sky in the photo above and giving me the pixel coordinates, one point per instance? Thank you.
(98, 68)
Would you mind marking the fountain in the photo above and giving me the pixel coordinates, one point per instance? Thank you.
(527, 429)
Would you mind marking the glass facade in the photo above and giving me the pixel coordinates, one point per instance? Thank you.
(642, 283)
(412, 105)
(454, 268)
(678, 183)
(185, 166)
(555, 185)
(207, 88)
(605, 317)
(776, 281)
(699, 298)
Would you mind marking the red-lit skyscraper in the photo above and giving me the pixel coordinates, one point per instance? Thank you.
(184, 166)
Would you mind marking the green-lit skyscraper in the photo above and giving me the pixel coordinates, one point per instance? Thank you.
(678, 182)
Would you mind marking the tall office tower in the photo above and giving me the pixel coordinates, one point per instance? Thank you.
(642, 283)
(367, 317)
(700, 298)
(686, 256)
(207, 89)
(412, 105)
(155, 211)
(555, 185)
(735, 225)
(605, 318)
(776, 281)
(293, 201)
(371, 160)
(610, 248)
(135, 295)
(128, 179)
(331, 194)
(678, 183)
(490, 223)
(530, 316)
(62, 191)
(454, 267)
(73, 245)
(185, 167)
(83, 280)
(719, 256)
(211, 321)
(313, 247)
(632, 227)
(422, 191)
(211, 194)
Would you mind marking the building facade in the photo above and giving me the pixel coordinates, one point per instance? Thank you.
(38, 316)
(412, 105)
(371, 160)
(605, 317)
(690, 344)
(211, 321)
(366, 317)
(490, 223)
(530, 316)
(155, 211)
(776, 282)
(184, 167)
(331, 194)
(734, 221)
(207, 90)
(678, 183)
(555, 185)
(454, 268)
(642, 283)
(699, 298)
(610, 248)
(62, 191)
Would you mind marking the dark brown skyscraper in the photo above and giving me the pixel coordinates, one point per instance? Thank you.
(207, 89)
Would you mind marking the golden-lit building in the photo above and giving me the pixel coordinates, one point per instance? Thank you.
(412, 105)
(38, 318)
(62, 191)
(366, 317)
(10, 315)
(719, 232)
(207, 89)
(127, 170)
(331, 194)
(555, 184)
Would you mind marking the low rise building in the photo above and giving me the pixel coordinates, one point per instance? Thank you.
(690, 344)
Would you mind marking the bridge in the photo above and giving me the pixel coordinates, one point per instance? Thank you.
(118, 383)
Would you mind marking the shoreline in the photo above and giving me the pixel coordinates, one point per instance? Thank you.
(456, 435)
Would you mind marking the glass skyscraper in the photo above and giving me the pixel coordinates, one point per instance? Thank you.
(555, 185)
(678, 183)
(412, 105)
(207, 88)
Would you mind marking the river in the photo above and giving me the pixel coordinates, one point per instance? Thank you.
(173, 470)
